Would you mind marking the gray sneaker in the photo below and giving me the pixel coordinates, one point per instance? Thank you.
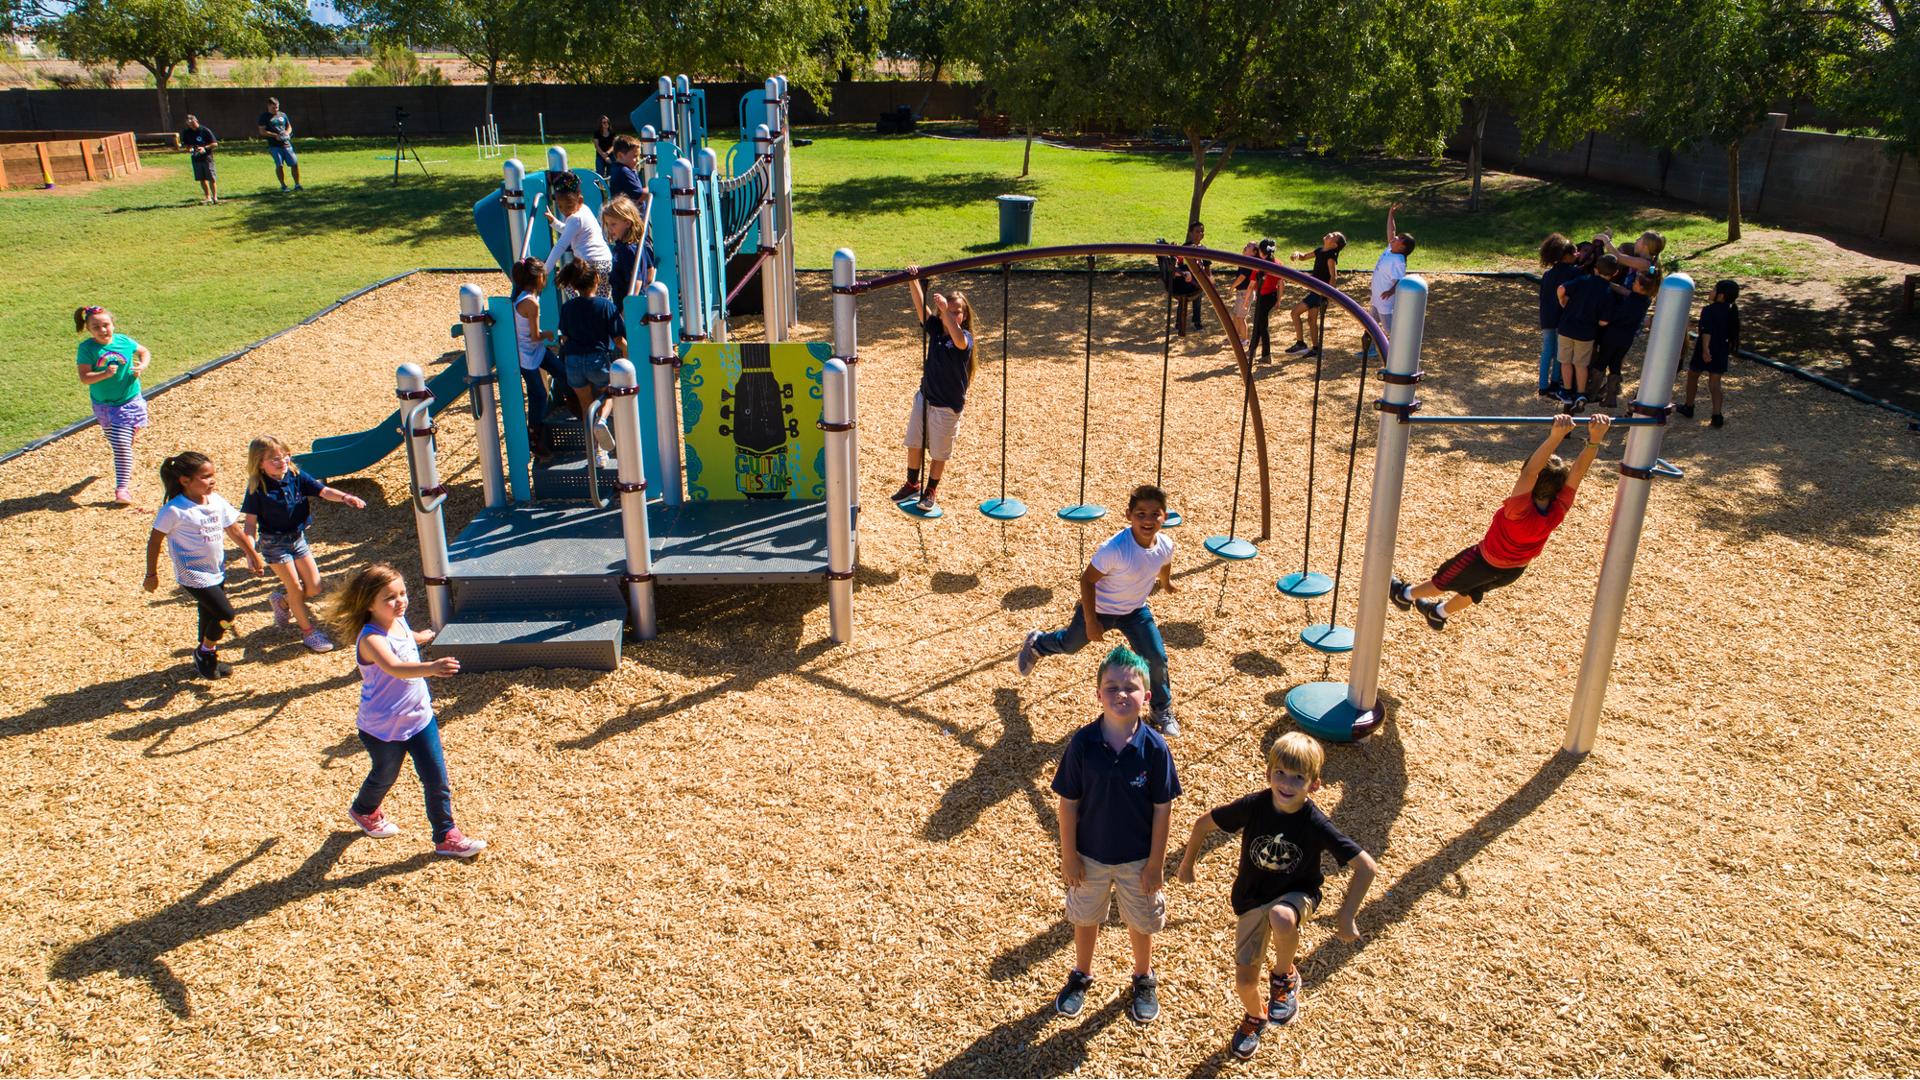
(1246, 1040)
(603, 438)
(1143, 1003)
(1283, 996)
(1168, 723)
(1073, 996)
(1029, 656)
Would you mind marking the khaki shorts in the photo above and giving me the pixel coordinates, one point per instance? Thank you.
(945, 425)
(1577, 353)
(1087, 902)
(1256, 926)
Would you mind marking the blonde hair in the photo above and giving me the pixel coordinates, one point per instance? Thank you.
(623, 208)
(1297, 752)
(257, 452)
(352, 607)
(1651, 245)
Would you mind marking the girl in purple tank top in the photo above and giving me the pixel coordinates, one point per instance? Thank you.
(396, 711)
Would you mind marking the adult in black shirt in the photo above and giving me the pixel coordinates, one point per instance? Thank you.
(278, 131)
(200, 141)
(603, 147)
(1181, 282)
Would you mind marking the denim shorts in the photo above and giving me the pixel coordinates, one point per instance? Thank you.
(588, 369)
(282, 155)
(284, 547)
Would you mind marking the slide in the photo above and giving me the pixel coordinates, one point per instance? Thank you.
(344, 455)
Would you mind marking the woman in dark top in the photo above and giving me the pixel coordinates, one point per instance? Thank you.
(1181, 283)
(935, 419)
(1326, 266)
(603, 147)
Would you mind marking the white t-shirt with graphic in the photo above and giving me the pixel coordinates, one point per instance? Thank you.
(194, 538)
(1130, 571)
(1386, 274)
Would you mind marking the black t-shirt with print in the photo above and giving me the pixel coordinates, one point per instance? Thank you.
(1323, 260)
(1279, 852)
(945, 380)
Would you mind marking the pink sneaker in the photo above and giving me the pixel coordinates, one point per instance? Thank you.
(459, 845)
(282, 614)
(376, 824)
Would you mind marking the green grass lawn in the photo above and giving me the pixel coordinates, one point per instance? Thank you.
(193, 282)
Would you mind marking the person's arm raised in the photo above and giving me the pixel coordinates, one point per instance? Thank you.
(1562, 425)
(1597, 429)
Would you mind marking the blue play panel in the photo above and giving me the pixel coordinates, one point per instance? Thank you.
(1305, 584)
(1321, 710)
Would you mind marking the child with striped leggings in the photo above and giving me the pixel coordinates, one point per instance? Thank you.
(110, 366)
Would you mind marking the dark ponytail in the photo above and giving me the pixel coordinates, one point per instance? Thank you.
(82, 314)
(181, 467)
(525, 272)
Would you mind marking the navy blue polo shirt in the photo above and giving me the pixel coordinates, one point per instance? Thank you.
(1116, 792)
(1624, 316)
(280, 505)
(588, 325)
(1557, 275)
(626, 181)
(1586, 306)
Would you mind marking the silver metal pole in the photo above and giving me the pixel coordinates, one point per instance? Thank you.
(1664, 344)
(623, 388)
(666, 389)
(686, 229)
(474, 321)
(663, 96)
(784, 161)
(513, 198)
(427, 493)
(837, 418)
(770, 277)
(1383, 509)
(683, 112)
(649, 154)
(705, 164)
(846, 347)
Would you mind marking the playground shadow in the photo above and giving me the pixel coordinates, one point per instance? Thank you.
(134, 950)
(59, 502)
(1017, 1048)
(864, 195)
(1010, 766)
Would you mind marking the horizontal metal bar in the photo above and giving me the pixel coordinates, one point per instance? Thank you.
(1618, 421)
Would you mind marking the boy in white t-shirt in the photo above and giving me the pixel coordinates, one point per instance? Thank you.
(1386, 277)
(1114, 588)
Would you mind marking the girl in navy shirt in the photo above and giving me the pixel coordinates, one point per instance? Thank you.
(277, 510)
(1719, 339)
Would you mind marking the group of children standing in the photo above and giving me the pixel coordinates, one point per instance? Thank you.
(1594, 299)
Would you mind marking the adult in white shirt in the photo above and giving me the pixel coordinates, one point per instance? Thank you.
(1386, 276)
(1114, 588)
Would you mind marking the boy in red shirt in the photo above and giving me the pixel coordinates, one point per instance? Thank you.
(1538, 503)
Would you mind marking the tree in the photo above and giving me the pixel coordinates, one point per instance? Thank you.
(1492, 54)
(1873, 69)
(484, 33)
(158, 35)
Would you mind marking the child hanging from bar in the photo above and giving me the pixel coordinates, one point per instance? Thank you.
(1518, 533)
(934, 422)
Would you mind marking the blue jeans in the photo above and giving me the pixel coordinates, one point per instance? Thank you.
(1142, 634)
(538, 402)
(428, 760)
(1549, 359)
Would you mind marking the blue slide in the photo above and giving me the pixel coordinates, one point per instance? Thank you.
(344, 455)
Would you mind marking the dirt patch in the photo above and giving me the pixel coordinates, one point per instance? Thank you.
(749, 851)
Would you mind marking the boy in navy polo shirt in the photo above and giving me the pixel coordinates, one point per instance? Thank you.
(1719, 338)
(1583, 303)
(1116, 784)
(1626, 312)
(1277, 887)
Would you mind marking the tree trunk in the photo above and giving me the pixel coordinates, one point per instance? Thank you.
(1733, 191)
(1026, 159)
(1476, 155)
(1204, 177)
(160, 80)
(938, 66)
(493, 75)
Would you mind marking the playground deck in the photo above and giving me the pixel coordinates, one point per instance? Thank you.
(696, 543)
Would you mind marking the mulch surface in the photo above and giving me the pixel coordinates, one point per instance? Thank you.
(750, 851)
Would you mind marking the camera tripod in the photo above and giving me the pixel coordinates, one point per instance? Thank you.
(402, 148)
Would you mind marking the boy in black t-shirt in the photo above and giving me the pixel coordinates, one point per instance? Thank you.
(278, 131)
(1278, 884)
(1719, 339)
(1583, 306)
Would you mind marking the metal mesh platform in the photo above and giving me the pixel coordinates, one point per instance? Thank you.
(697, 543)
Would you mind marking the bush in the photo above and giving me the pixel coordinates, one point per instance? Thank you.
(93, 78)
(274, 71)
(397, 65)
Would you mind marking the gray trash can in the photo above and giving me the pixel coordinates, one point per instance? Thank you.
(1016, 219)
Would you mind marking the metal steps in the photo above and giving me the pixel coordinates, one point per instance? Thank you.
(498, 639)
(536, 586)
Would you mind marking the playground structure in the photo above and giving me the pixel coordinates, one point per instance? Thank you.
(44, 159)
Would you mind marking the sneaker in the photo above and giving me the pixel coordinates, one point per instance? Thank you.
(317, 640)
(297, 187)
(1029, 655)
(1564, 396)
(1246, 1040)
(377, 825)
(1684, 410)
(284, 188)
(459, 845)
(908, 490)
(1431, 609)
(1718, 421)
(604, 460)
(123, 496)
(926, 503)
(209, 666)
(1073, 996)
(1547, 392)
(1579, 404)
(1283, 996)
(603, 438)
(1168, 723)
(1299, 348)
(1143, 1003)
(282, 614)
(1400, 593)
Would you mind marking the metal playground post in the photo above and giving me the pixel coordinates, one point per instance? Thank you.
(425, 490)
(836, 418)
(474, 321)
(846, 349)
(666, 385)
(623, 392)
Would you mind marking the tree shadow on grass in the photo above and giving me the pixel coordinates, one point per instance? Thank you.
(134, 949)
(419, 210)
(895, 194)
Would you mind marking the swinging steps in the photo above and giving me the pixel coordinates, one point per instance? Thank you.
(538, 584)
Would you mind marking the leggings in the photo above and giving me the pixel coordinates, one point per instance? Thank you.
(1261, 334)
(121, 439)
(216, 611)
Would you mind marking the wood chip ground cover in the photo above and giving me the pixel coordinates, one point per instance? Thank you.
(748, 851)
